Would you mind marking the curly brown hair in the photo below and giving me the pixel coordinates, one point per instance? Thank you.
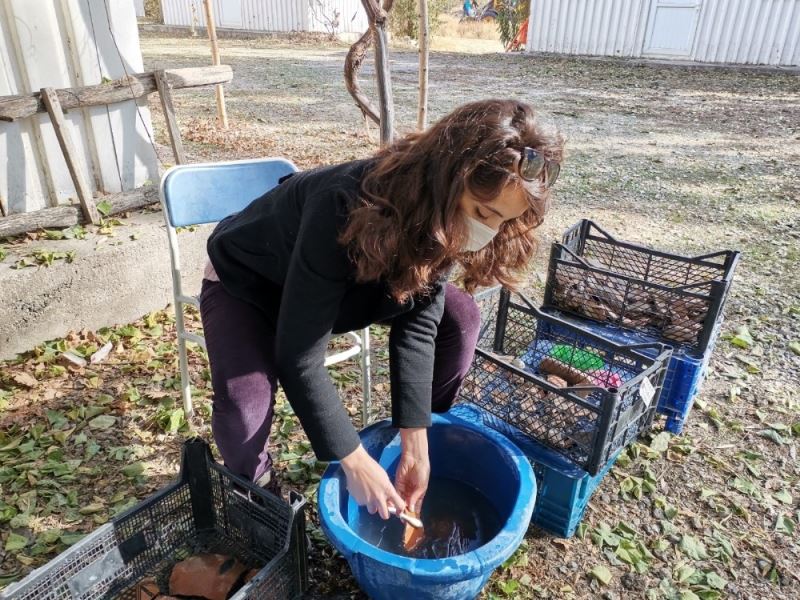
(409, 229)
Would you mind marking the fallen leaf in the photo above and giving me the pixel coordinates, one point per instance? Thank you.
(133, 470)
(693, 548)
(70, 538)
(773, 435)
(795, 347)
(24, 379)
(90, 509)
(15, 542)
(601, 573)
(102, 422)
(661, 441)
(742, 339)
(715, 581)
(785, 525)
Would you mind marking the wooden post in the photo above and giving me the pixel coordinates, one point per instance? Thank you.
(82, 188)
(422, 115)
(165, 93)
(222, 112)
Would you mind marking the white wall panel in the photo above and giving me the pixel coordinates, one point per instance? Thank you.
(62, 44)
(271, 15)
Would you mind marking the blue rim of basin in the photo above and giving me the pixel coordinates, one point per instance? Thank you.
(476, 563)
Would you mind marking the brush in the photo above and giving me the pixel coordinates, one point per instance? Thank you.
(406, 518)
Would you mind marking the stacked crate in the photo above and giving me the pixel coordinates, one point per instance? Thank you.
(572, 433)
(632, 294)
(639, 325)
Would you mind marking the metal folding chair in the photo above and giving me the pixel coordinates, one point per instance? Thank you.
(209, 192)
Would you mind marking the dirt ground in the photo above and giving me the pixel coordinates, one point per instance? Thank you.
(686, 160)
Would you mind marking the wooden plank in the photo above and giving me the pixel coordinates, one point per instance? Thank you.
(165, 93)
(13, 108)
(82, 188)
(211, 27)
(69, 215)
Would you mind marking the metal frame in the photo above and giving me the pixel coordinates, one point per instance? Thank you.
(360, 340)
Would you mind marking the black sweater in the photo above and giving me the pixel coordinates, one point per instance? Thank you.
(282, 255)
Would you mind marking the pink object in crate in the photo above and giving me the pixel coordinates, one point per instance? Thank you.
(604, 378)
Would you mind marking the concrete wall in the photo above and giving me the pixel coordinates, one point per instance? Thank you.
(111, 281)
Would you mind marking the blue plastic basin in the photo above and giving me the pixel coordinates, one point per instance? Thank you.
(479, 457)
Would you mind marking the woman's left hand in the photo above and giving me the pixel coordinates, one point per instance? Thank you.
(414, 470)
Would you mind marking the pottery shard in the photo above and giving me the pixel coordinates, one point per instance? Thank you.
(209, 576)
(556, 381)
(412, 536)
(147, 589)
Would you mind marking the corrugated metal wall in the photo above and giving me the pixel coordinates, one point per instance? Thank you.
(749, 32)
(271, 15)
(62, 44)
(596, 27)
(728, 31)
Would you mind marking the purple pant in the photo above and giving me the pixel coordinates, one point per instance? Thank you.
(241, 350)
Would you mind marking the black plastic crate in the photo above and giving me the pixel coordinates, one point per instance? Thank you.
(677, 299)
(208, 509)
(586, 424)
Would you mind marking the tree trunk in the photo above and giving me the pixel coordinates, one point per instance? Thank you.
(355, 58)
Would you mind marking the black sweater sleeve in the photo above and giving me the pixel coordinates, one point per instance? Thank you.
(411, 354)
(315, 284)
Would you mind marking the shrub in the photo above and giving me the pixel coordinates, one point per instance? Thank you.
(404, 17)
(510, 15)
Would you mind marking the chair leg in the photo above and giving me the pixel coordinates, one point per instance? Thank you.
(186, 383)
(366, 375)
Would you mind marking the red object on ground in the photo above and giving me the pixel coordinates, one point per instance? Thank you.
(520, 40)
(209, 576)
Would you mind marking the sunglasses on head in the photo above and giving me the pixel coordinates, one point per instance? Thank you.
(532, 165)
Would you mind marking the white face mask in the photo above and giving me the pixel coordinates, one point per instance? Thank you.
(480, 235)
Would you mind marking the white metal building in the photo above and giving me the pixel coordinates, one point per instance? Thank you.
(63, 45)
(758, 32)
(338, 16)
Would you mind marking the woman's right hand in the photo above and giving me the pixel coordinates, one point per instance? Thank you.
(369, 484)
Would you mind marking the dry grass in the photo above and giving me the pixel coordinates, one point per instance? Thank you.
(473, 37)
(452, 27)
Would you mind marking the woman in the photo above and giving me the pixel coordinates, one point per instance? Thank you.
(371, 241)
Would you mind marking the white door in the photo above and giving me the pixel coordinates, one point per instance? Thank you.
(671, 28)
(230, 14)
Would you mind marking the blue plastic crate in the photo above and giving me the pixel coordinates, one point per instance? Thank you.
(563, 490)
(685, 374)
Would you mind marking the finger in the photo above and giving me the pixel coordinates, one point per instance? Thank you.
(396, 499)
(383, 509)
(416, 499)
(372, 507)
